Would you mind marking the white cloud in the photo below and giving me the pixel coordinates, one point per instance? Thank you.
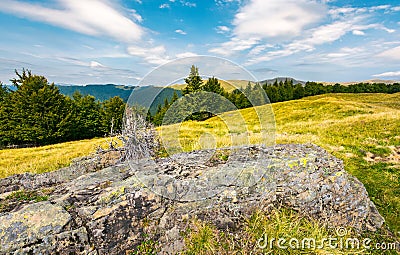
(317, 36)
(95, 64)
(396, 8)
(260, 48)
(343, 52)
(388, 74)
(380, 7)
(226, 2)
(136, 16)
(180, 31)
(290, 32)
(222, 29)
(393, 53)
(234, 45)
(92, 64)
(188, 4)
(152, 55)
(341, 11)
(390, 31)
(358, 32)
(276, 18)
(95, 17)
(164, 6)
(346, 20)
(186, 55)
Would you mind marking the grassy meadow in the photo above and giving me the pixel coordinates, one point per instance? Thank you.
(361, 129)
(46, 158)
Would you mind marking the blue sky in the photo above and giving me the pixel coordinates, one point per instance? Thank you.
(120, 41)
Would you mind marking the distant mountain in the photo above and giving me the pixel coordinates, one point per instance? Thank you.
(152, 95)
(365, 81)
(99, 91)
(279, 79)
(140, 95)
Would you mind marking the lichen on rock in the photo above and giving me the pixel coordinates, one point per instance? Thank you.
(111, 209)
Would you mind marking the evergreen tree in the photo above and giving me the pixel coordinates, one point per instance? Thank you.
(213, 85)
(174, 97)
(194, 81)
(85, 118)
(4, 91)
(298, 91)
(34, 113)
(166, 103)
(112, 111)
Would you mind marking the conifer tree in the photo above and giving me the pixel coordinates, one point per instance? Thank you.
(34, 113)
(194, 81)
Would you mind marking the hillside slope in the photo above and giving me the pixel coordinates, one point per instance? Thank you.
(100, 92)
(361, 129)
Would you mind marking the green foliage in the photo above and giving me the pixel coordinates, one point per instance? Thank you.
(213, 85)
(157, 119)
(4, 91)
(36, 113)
(84, 118)
(194, 81)
(112, 115)
(147, 247)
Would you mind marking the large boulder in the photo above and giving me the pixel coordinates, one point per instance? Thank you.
(111, 210)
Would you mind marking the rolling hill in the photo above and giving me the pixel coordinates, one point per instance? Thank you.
(154, 95)
(361, 129)
(281, 79)
(99, 91)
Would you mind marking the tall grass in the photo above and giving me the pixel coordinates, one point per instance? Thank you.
(281, 231)
(46, 158)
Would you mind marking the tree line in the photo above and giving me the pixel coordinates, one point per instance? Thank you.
(253, 94)
(286, 90)
(36, 113)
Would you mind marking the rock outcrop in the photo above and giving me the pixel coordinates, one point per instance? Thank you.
(98, 207)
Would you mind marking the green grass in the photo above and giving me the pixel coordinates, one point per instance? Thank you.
(259, 234)
(8, 202)
(22, 195)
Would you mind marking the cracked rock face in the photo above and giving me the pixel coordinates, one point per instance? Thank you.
(95, 209)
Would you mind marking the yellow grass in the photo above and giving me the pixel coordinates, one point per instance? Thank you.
(46, 158)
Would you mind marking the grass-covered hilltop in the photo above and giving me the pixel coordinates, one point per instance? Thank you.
(358, 123)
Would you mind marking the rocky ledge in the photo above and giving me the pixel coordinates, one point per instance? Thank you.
(101, 206)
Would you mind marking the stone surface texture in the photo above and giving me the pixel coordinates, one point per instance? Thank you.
(99, 206)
